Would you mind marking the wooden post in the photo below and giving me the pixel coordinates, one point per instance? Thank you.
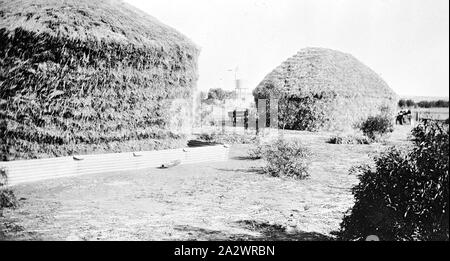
(262, 113)
(273, 115)
(257, 127)
(223, 117)
(246, 119)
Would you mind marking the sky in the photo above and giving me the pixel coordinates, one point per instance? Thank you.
(405, 41)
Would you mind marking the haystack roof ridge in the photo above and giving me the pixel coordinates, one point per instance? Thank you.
(315, 69)
(330, 90)
(102, 77)
(99, 20)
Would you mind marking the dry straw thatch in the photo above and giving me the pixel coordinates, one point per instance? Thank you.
(325, 89)
(80, 76)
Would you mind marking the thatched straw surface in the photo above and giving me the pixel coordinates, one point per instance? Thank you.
(79, 76)
(325, 89)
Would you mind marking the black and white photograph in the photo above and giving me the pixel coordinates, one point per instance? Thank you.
(224, 120)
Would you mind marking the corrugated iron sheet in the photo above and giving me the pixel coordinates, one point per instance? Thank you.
(22, 171)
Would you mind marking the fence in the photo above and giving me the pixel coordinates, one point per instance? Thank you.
(21, 171)
(418, 116)
(235, 119)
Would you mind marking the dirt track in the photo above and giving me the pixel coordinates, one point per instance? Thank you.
(212, 201)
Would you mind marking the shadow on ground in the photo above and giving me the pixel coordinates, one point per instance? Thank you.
(198, 233)
(267, 232)
(247, 170)
(244, 158)
(276, 232)
(10, 231)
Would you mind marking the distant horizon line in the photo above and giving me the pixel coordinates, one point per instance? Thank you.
(424, 97)
(401, 96)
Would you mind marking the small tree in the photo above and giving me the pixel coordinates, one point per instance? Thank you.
(441, 104)
(375, 127)
(410, 103)
(401, 103)
(7, 197)
(202, 95)
(220, 94)
(405, 195)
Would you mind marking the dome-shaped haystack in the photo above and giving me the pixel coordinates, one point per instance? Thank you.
(81, 76)
(323, 89)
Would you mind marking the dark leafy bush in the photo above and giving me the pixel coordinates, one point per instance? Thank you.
(401, 103)
(7, 197)
(256, 150)
(349, 139)
(220, 94)
(3, 177)
(407, 103)
(433, 104)
(405, 195)
(286, 158)
(374, 127)
(228, 138)
(410, 103)
(309, 112)
(204, 115)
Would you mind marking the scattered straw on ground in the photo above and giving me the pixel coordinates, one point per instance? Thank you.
(228, 200)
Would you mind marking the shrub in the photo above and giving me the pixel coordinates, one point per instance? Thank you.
(228, 138)
(374, 127)
(433, 104)
(313, 89)
(204, 115)
(220, 94)
(7, 197)
(405, 195)
(410, 103)
(3, 177)
(349, 139)
(286, 158)
(256, 151)
(308, 112)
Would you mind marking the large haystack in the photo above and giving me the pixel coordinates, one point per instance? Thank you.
(323, 89)
(81, 76)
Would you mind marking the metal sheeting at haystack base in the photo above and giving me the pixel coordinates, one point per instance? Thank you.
(22, 171)
(81, 77)
(329, 90)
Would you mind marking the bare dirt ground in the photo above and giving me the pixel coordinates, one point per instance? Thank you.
(229, 200)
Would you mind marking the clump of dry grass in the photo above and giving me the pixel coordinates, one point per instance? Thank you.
(228, 138)
(286, 158)
(256, 150)
(282, 157)
(7, 197)
(324, 89)
(91, 76)
(349, 139)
